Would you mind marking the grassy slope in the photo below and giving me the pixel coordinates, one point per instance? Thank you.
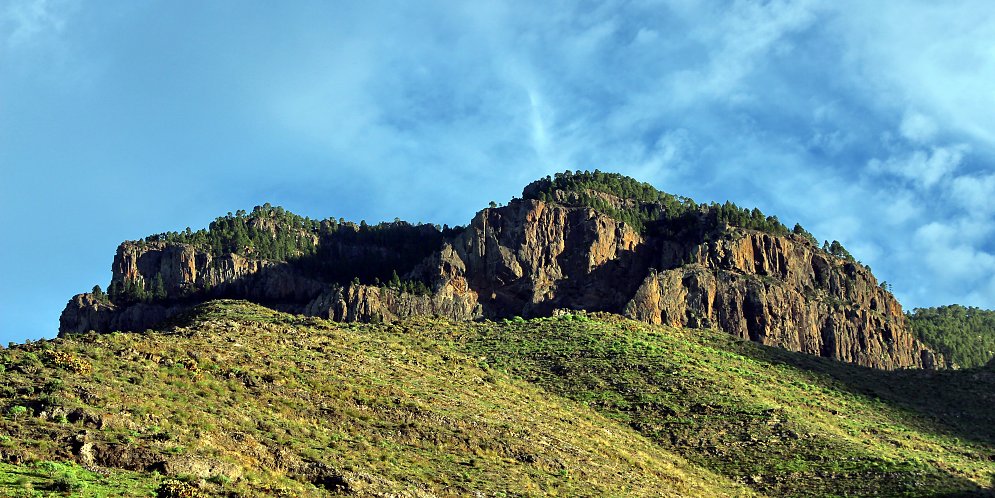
(261, 402)
(788, 424)
(245, 400)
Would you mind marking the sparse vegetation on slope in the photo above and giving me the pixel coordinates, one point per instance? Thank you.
(787, 424)
(240, 400)
(965, 335)
(244, 401)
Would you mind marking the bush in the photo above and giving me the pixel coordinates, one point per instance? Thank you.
(173, 488)
(69, 361)
(67, 483)
(17, 411)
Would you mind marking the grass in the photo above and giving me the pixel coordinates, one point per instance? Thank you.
(786, 424)
(239, 400)
(47, 478)
(244, 401)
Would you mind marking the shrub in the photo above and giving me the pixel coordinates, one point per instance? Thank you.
(29, 363)
(69, 361)
(17, 411)
(67, 483)
(173, 488)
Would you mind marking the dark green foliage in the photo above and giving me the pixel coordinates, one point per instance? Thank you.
(638, 202)
(837, 249)
(370, 252)
(965, 335)
(158, 288)
(99, 294)
(267, 233)
(646, 208)
(754, 219)
(131, 291)
(798, 230)
(331, 250)
(409, 286)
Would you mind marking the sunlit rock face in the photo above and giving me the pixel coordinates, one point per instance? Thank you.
(531, 257)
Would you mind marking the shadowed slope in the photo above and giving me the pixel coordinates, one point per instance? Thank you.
(786, 423)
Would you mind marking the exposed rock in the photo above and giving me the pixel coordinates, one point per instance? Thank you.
(186, 271)
(531, 257)
(85, 313)
(365, 303)
(783, 292)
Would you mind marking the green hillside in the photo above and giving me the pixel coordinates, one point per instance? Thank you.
(239, 400)
(247, 401)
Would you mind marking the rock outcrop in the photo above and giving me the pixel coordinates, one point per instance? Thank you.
(85, 312)
(186, 271)
(782, 291)
(366, 303)
(531, 257)
(186, 275)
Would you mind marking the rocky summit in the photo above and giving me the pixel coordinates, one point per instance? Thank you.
(579, 241)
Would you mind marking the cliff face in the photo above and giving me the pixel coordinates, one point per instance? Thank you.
(85, 312)
(783, 292)
(186, 271)
(366, 303)
(187, 275)
(531, 257)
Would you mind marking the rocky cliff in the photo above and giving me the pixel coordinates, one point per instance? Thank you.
(530, 257)
(782, 291)
(533, 256)
(187, 271)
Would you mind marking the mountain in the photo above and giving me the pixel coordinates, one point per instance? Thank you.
(235, 399)
(591, 241)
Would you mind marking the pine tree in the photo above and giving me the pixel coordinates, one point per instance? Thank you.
(158, 288)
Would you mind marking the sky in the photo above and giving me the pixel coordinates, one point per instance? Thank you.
(870, 123)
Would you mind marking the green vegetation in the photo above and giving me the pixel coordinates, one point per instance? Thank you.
(330, 250)
(837, 249)
(965, 335)
(646, 208)
(787, 424)
(752, 219)
(267, 233)
(46, 478)
(241, 400)
(628, 200)
(337, 251)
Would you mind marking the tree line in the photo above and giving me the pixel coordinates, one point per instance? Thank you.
(652, 209)
(965, 335)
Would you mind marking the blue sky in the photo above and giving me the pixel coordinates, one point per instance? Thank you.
(868, 122)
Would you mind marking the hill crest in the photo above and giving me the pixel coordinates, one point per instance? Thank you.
(594, 241)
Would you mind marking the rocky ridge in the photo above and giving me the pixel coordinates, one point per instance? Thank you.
(531, 257)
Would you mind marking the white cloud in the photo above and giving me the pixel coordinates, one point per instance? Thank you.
(918, 128)
(540, 133)
(975, 194)
(924, 168)
(739, 41)
(935, 55)
(27, 21)
(950, 257)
